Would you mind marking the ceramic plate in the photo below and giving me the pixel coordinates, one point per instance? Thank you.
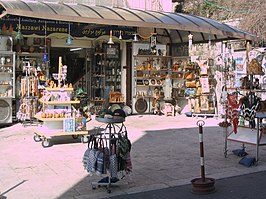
(115, 107)
(146, 82)
(152, 82)
(141, 105)
(127, 110)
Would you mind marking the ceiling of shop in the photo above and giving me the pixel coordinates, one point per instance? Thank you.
(175, 26)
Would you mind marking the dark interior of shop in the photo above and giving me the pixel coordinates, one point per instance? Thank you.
(75, 61)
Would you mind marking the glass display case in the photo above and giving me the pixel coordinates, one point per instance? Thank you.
(7, 85)
(7, 74)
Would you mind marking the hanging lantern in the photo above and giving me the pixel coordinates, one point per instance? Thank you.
(111, 38)
(120, 35)
(19, 36)
(135, 38)
(69, 40)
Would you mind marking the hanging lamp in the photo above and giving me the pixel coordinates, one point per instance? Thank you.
(69, 40)
(45, 57)
(19, 36)
(110, 42)
(120, 35)
(135, 38)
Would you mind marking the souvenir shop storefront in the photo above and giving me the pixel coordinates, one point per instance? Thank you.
(143, 61)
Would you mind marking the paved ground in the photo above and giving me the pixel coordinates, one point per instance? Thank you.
(249, 186)
(165, 154)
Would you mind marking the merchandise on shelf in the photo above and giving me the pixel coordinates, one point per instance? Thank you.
(7, 74)
(157, 78)
(116, 97)
(245, 105)
(106, 76)
(59, 116)
(200, 87)
(29, 86)
(7, 83)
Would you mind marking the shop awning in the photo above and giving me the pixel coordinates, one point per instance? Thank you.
(174, 25)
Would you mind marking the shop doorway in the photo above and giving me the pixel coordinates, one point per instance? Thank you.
(74, 59)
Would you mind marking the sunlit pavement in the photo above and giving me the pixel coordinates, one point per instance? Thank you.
(165, 153)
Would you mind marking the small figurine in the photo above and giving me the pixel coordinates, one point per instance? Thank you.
(156, 101)
(167, 86)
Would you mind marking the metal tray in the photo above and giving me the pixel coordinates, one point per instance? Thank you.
(108, 120)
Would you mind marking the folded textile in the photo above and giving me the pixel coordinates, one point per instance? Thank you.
(247, 161)
(240, 152)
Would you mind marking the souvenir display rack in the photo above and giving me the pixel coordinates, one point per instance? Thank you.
(200, 89)
(98, 81)
(113, 67)
(178, 75)
(149, 72)
(245, 110)
(58, 116)
(251, 132)
(110, 135)
(7, 85)
(35, 59)
(28, 95)
(7, 74)
(106, 75)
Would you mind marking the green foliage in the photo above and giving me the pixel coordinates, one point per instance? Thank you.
(251, 13)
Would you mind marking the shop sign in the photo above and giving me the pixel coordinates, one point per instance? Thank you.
(32, 26)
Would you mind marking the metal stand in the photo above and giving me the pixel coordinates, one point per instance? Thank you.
(113, 126)
(202, 185)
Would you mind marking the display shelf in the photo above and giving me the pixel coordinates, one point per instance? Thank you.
(60, 102)
(7, 85)
(4, 73)
(106, 75)
(26, 65)
(55, 125)
(113, 67)
(247, 136)
(53, 133)
(59, 89)
(32, 58)
(156, 67)
(177, 78)
(98, 100)
(7, 74)
(179, 88)
(181, 57)
(247, 90)
(48, 119)
(98, 78)
(6, 65)
(152, 56)
(115, 102)
(148, 69)
(24, 54)
(260, 114)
